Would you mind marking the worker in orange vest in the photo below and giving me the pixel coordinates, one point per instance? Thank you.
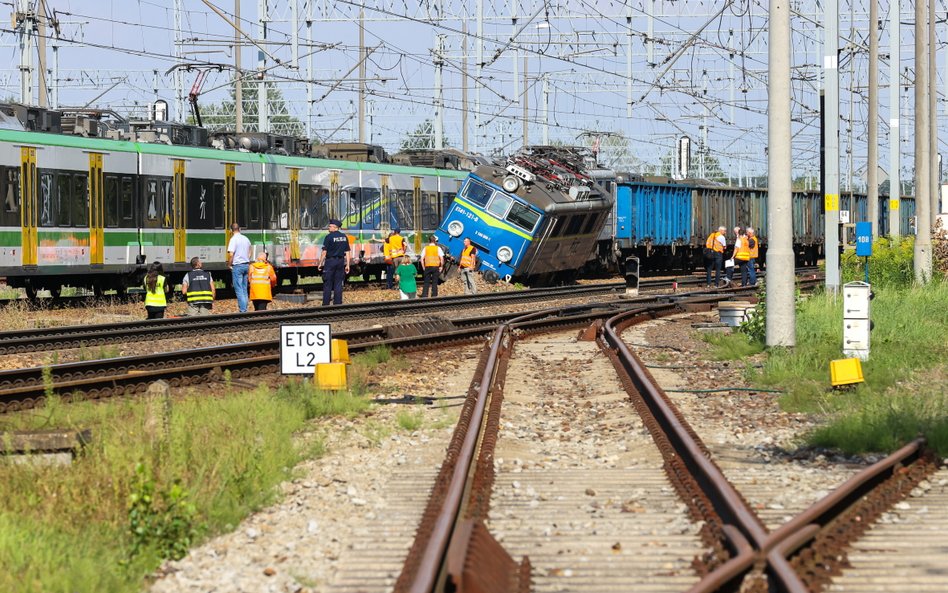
(714, 254)
(754, 244)
(432, 260)
(261, 279)
(742, 255)
(395, 251)
(467, 265)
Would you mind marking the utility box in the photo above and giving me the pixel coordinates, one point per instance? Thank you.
(856, 322)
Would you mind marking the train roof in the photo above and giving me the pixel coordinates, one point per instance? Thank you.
(549, 200)
(195, 152)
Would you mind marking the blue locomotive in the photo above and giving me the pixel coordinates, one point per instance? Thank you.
(535, 221)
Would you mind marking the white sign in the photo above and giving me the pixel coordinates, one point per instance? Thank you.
(844, 216)
(302, 347)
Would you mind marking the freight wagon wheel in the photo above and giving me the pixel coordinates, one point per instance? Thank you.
(30, 290)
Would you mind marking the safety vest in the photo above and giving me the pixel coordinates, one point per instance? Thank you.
(754, 244)
(157, 298)
(741, 250)
(261, 277)
(387, 251)
(432, 259)
(467, 257)
(199, 287)
(713, 243)
(396, 246)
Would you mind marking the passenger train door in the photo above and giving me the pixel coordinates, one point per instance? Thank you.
(294, 215)
(178, 218)
(333, 206)
(230, 199)
(96, 209)
(28, 217)
(385, 205)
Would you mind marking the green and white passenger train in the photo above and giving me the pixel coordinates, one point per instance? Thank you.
(92, 212)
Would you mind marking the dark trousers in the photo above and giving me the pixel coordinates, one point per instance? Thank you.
(752, 271)
(430, 276)
(155, 312)
(260, 305)
(389, 272)
(334, 273)
(741, 264)
(715, 262)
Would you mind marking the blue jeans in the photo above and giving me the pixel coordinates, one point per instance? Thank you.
(752, 270)
(239, 277)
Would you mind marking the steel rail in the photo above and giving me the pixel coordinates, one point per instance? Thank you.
(18, 341)
(726, 501)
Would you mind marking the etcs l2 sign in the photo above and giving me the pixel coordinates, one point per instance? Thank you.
(302, 347)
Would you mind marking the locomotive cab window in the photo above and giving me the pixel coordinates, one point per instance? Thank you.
(477, 193)
(522, 216)
(499, 204)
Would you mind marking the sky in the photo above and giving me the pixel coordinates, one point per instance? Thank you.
(698, 69)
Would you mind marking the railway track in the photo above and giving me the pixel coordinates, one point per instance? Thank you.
(59, 338)
(514, 502)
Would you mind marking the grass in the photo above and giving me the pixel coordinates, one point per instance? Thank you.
(155, 479)
(733, 346)
(410, 420)
(102, 353)
(903, 394)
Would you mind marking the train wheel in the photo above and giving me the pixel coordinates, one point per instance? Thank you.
(491, 277)
(30, 290)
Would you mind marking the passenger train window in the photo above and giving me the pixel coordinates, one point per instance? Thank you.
(371, 208)
(217, 203)
(63, 199)
(499, 204)
(127, 206)
(80, 200)
(477, 193)
(522, 216)
(46, 196)
(152, 203)
(429, 201)
(11, 191)
(243, 191)
(253, 209)
(165, 198)
(404, 208)
(111, 200)
(575, 223)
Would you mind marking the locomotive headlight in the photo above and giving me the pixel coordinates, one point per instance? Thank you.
(505, 254)
(511, 184)
(455, 228)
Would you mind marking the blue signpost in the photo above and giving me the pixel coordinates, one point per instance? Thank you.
(864, 244)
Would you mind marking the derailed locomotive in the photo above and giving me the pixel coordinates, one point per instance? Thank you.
(534, 220)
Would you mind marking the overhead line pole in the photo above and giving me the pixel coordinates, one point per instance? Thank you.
(480, 70)
(780, 285)
(831, 141)
(41, 52)
(872, 173)
(362, 58)
(935, 180)
(262, 115)
(238, 76)
(895, 83)
(923, 240)
(464, 125)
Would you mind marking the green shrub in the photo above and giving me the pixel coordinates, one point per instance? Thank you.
(317, 403)
(891, 263)
(164, 521)
(732, 346)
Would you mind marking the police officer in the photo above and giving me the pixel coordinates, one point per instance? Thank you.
(198, 287)
(334, 263)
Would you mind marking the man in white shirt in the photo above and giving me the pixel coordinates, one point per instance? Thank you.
(238, 260)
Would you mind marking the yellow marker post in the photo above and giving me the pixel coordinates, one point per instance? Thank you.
(339, 351)
(331, 376)
(846, 371)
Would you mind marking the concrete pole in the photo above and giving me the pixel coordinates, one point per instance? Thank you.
(872, 173)
(935, 179)
(895, 84)
(439, 95)
(514, 55)
(362, 58)
(263, 120)
(480, 69)
(369, 116)
(41, 52)
(923, 239)
(55, 75)
(238, 75)
(178, 74)
(831, 140)
(464, 137)
(780, 285)
(546, 111)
